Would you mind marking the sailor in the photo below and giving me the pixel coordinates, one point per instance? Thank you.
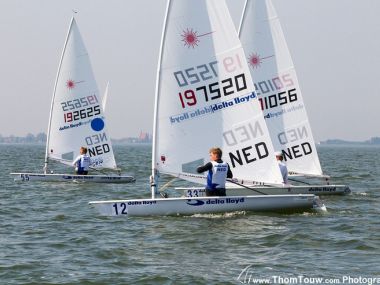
(82, 162)
(282, 165)
(218, 172)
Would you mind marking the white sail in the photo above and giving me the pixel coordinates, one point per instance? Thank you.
(277, 87)
(76, 115)
(205, 97)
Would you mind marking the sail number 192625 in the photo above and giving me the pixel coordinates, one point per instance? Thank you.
(81, 114)
(79, 103)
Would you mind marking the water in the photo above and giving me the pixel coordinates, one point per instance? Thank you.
(50, 235)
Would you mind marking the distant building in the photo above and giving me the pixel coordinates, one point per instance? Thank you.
(374, 140)
(144, 137)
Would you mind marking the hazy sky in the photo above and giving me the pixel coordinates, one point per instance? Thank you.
(335, 45)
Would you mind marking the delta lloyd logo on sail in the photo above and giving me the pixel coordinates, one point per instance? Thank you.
(97, 124)
(75, 125)
(283, 111)
(212, 108)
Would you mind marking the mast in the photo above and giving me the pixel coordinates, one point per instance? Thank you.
(243, 17)
(54, 92)
(156, 103)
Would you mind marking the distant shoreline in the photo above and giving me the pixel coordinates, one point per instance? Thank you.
(372, 141)
(41, 139)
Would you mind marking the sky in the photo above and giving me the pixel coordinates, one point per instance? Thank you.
(335, 46)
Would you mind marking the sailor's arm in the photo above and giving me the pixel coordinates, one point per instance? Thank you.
(76, 160)
(205, 167)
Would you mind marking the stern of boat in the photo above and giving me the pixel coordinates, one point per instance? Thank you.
(318, 205)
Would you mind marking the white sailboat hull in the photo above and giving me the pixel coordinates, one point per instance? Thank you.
(268, 190)
(31, 177)
(204, 205)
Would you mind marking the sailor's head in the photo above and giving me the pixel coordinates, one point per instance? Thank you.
(215, 153)
(83, 150)
(279, 155)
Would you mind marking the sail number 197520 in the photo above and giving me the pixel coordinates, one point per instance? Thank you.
(214, 90)
(210, 91)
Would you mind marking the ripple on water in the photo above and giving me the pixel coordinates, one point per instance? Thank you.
(50, 235)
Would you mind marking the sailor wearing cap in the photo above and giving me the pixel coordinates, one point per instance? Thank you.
(282, 165)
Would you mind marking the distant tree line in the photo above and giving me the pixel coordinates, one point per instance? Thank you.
(371, 141)
(29, 138)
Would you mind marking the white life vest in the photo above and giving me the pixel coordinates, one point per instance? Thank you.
(83, 162)
(216, 177)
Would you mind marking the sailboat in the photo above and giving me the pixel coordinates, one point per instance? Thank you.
(76, 119)
(205, 97)
(280, 97)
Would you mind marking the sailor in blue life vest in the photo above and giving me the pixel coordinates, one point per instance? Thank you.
(218, 172)
(282, 165)
(82, 162)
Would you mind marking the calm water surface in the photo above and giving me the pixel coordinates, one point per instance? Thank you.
(50, 235)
